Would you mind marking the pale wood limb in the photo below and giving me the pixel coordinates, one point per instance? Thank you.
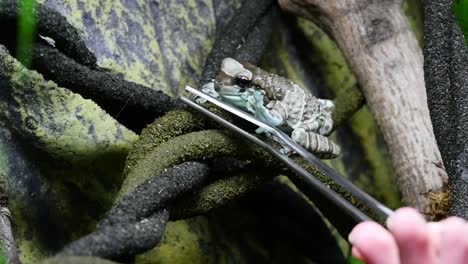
(385, 56)
(7, 241)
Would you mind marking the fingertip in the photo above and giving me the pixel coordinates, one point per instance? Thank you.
(405, 222)
(454, 240)
(372, 243)
(357, 254)
(434, 230)
(362, 229)
(411, 233)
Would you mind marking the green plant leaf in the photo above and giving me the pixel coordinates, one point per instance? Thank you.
(353, 260)
(3, 259)
(461, 12)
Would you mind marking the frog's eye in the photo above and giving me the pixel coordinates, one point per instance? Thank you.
(242, 81)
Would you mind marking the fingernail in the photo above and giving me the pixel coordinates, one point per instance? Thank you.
(351, 238)
(389, 222)
(434, 231)
(356, 253)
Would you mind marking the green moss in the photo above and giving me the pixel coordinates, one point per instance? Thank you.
(414, 13)
(193, 146)
(197, 240)
(335, 73)
(219, 193)
(335, 187)
(460, 9)
(30, 249)
(177, 123)
(179, 245)
(280, 61)
(3, 257)
(76, 260)
(381, 183)
(172, 124)
(284, 66)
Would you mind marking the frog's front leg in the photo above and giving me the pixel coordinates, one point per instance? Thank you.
(208, 88)
(315, 143)
(262, 113)
(269, 116)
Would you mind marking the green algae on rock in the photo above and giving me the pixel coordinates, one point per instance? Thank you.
(76, 260)
(67, 142)
(58, 121)
(155, 44)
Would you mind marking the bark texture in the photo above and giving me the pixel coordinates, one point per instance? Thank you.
(7, 241)
(385, 56)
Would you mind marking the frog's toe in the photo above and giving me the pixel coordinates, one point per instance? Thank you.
(310, 126)
(262, 130)
(257, 95)
(258, 98)
(326, 127)
(200, 100)
(328, 105)
(286, 151)
(250, 108)
(209, 88)
(300, 136)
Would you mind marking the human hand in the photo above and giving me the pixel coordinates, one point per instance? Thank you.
(410, 239)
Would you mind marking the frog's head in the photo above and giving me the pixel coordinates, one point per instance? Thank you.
(234, 83)
(233, 77)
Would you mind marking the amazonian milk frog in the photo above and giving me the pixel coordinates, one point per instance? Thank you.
(278, 102)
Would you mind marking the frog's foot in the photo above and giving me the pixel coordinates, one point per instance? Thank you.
(258, 99)
(255, 101)
(326, 125)
(208, 88)
(286, 151)
(309, 126)
(262, 130)
(315, 143)
(249, 105)
(327, 105)
(322, 124)
(262, 113)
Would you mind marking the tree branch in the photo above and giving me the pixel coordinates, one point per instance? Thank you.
(388, 63)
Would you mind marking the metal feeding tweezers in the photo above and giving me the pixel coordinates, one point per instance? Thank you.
(380, 209)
